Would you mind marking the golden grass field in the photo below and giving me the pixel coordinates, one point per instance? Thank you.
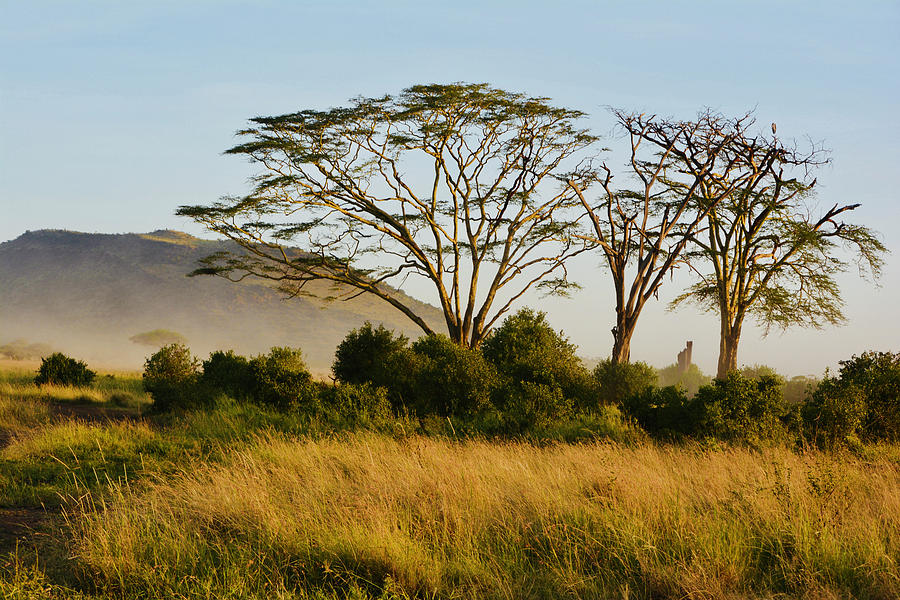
(239, 503)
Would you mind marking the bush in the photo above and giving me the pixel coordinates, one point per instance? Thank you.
(368, 355)
(59, 369)
(281, 379)
(662, 411)
(877, 374)
(619, 381)
(173, 362)
(448, 379)
(835, 413)
(863, 400)
(228, 373)
(355, 402)
(735, 408)
(525, 349)
(741, 409)
(526, 405)
(756, 371)
(170, 377)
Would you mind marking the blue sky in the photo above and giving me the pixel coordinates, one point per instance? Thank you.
(112, 114)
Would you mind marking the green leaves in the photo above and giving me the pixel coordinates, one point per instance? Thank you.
(455, 183)
(59, 369)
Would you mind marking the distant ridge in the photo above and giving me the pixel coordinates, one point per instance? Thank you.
(87, 293)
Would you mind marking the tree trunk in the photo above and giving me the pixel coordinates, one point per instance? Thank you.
(728, 348)
(621, 352)
(622, 332)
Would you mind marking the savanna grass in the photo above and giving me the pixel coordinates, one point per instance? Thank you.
(57, 440)
(17, 416)
(46, 466)
(242, 501)
(420, 517)
(122, 389)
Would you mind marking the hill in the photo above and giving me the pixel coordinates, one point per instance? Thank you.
(86, 294)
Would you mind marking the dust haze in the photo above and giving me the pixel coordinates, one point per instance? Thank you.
(87, 294)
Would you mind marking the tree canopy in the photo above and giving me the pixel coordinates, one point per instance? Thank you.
(158, 338)
(491, 218)
(643, 231)
(767, 251)
(485, 194)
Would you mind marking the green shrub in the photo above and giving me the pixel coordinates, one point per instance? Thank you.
(59, 369)
(877, 374)
(355, 402)
(228, 373)
(741, 409)
(173, 362)
(525, 349)
(170, 377)
(756, 371)
(663, 412)
(736, 408)
(835, 412)
(281, 379)
(527, 405)
(619, 381)
(368, 354)
(863, 400)
(447, 379)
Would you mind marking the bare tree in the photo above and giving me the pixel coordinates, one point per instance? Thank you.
(643, 233)
(764, 253)
(462, 185)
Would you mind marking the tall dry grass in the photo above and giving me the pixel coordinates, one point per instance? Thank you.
(17, 416)
(122, 389)
(370, 516)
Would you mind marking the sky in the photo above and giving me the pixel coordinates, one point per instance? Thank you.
(112, 114)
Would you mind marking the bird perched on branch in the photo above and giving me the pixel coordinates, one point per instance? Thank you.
(773, 128)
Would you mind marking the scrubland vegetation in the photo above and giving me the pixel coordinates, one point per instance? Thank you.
(429, 470)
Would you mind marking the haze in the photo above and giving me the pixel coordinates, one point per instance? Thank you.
(112, 114)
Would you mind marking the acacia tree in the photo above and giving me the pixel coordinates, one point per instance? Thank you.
(461, 185)
(764, 254)
(643, 233)
(158, 338)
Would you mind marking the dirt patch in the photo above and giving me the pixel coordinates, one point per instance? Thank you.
(24, 525)
(21, 524)
(92, 412)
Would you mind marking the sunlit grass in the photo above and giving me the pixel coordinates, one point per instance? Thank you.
(242, 501)
(17, 372)
(17, 415)
(433, 518)
(55, 440)
(123, 389)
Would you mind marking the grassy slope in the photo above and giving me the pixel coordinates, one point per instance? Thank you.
(243, 503)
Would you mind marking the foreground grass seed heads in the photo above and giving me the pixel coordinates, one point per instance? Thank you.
(435, 518)
(239, 500)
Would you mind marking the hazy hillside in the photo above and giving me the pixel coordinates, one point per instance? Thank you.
(88, 293)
